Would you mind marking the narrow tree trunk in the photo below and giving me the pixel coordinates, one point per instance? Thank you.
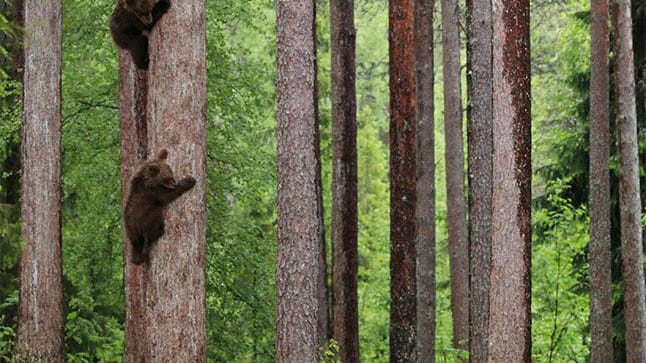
(454, 157)
(40, 316)
(599, 204)
(345, 327)
(480, 148)
(425, 213)
(403, 193)
(175, 296)
(301, 312)
(134, 149)
(629, 196)
(509, 309)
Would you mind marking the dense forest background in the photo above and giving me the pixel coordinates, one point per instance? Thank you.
(241, 185)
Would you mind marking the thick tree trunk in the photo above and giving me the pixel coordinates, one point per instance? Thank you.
(454, 157)
(345, 327)
(480, 149)
(509, 309)
(599, 204)
(403, 193)
(629, 196)
(134, 150)
(40, 316)
(300, 277)
(175, 320)
(425, 213)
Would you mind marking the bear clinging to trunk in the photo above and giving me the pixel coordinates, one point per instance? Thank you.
(151, 190)
(131, 23)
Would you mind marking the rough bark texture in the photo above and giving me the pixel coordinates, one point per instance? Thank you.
(454, 157)
(345, 326)
(300, 277)
(480, 148)
(629, 196)
(509, 309)
(403, 193)
(40, 316)
(425, 213)
(134, 145)
(175, 298)
(599, 204)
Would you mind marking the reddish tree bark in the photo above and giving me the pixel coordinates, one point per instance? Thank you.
(175, 319)
(425, 213)
(599, 205)
(403, 193)
(509, 309)
(629, 197)
(134, 150)
(345, 325)
(454, 158)
(40, 313)
(480, 149)
(301, 309)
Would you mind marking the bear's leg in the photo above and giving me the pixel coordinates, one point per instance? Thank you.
(139, 50)
(138, 247)
(160, 9)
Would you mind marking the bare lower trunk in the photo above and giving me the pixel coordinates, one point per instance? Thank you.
(629, 197)
(301, 310)
(425, 213)
(345, 327)
(454, 156)
(509, 309)
(403, 193)
(599, 205)
(480, 147)
(40, 317)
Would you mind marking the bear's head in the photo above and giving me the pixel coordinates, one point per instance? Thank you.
(158, 174)
(143, 9)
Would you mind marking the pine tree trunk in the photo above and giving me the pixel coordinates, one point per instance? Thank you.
(509, 309)
(629, 195)
(302, 310)
(425, 213)
(599, 204)
(403, 193)
(134, 150)
(40, 316)
(345, 327)
(175, 319)
(480, 155)
(454, 157)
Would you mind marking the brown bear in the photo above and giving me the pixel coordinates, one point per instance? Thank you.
(152, 188)
(131, 23)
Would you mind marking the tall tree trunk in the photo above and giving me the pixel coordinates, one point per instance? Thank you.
(134, 150)
(480, 150)
(40, 316)
(175, 319)
(599, 204)
(403, 193)
(509, 309)
(454, 157)
(301, 309)
(629, 196)
(345, 327)
(425, 213)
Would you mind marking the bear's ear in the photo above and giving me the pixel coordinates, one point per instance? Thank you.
(153, 170)
(163, 154)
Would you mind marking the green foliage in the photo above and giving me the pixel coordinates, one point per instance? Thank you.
(330, 353)
(560, 291)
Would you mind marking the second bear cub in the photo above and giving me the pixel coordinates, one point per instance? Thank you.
(151, 190)
(131, 23)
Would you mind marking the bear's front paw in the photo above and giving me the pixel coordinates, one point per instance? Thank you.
(161, 7)
(187, 182)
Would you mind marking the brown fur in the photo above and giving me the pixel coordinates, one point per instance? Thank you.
(151, 190)
(131, 23)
